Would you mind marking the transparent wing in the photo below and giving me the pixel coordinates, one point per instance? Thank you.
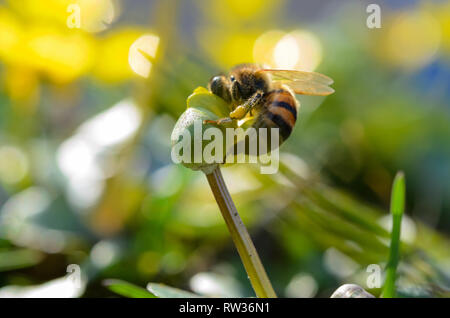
(292, 75)
(309, 88)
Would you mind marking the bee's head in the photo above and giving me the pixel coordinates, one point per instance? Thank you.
(220, 86)
(246, 81)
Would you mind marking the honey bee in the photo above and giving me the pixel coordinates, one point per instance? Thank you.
(268, 95)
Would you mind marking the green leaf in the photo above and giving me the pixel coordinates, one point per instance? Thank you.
(16, 259)
(397, 209)
(163, 291)
(126, 289)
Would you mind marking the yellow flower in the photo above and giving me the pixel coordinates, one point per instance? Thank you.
(442, 14)
(62, 56)
(11, 33)
(22, 85)
(232, 11)
(410, 39)
(112, 57)
(228, 48)
(94, 15)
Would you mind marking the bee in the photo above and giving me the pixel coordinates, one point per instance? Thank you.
(267, 95)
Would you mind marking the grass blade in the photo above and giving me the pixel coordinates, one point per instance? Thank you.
(163, 291)
(397, 209)
(126, 289)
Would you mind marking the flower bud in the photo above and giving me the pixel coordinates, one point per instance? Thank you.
(192, 140)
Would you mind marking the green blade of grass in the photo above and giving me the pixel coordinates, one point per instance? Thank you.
(126, 289)
(397, 209)
(163, 291)
(20, 258)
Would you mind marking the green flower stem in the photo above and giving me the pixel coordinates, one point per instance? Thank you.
(255, 270)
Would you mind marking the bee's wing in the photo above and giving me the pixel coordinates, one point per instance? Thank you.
(309, 88)
(292, 75)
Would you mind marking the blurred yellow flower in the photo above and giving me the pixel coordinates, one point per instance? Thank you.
(11, 33)
(38, 38)
(40, 12)
(410, 40)
(112, 57)
(61, 56)
(238, 10)
(442, 14)
(22, 85)
(233, 26)
(95, 15)
(228, 48)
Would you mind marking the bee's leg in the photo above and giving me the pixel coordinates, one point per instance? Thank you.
(220, 121)
(243, 109)
(239, 111)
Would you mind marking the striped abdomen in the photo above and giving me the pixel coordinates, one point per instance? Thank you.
(279, 111)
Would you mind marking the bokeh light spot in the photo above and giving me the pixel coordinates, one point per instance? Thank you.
(298, 50)
(286, 53)
(409, 230)
(142, 52)
(13, 164)
(339, 264)
(264, 46)
(112, 126)
(97, 15)
(103, 253)
(302, 286)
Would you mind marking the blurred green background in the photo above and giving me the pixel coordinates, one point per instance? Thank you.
(86, 175)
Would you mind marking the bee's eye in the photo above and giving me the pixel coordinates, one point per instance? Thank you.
(260, 83)
(216, 84)
(232, 78)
